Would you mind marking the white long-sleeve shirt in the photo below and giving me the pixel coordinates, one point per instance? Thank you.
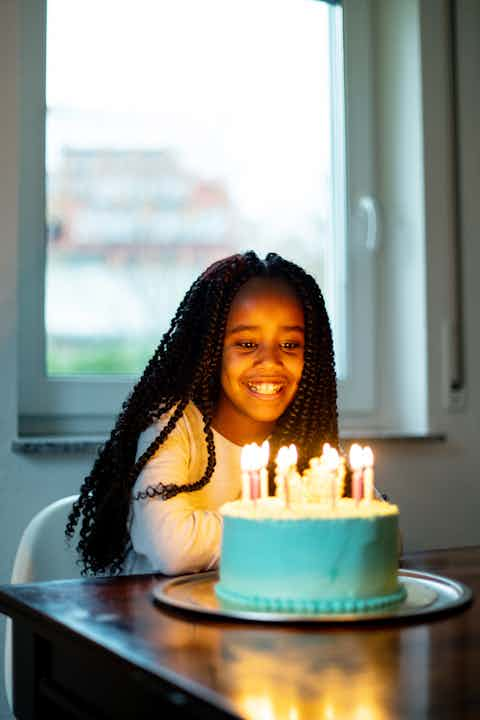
(182, 534)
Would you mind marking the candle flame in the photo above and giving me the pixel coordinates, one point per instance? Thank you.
(286, 458)
(252, 457)
(332, 459)
(245, 458)
(367, 456)
(356, 457)
(326, 449)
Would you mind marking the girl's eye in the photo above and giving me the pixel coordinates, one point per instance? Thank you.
(290, 345)
(247, 345)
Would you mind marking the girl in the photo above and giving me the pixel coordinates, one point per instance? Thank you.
(248, 356)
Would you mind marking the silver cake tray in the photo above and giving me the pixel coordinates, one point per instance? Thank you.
(426, 594)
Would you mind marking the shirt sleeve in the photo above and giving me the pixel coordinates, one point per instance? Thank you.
(175, 535)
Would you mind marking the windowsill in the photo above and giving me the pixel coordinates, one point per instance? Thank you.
(66, 445)
(390, 436)
(57, 445)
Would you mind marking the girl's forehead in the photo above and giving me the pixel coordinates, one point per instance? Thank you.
(260, 286)
(264, 295)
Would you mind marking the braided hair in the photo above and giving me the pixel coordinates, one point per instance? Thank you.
(185, 368)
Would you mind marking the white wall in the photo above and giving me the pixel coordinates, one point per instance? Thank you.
(437, 485)
(26, 483)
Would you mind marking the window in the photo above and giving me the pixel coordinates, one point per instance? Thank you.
(192, 131)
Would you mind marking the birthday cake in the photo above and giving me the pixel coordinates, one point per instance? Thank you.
(309, 558)
(312, 554)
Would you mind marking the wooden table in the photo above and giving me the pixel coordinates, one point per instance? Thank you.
(100, 648)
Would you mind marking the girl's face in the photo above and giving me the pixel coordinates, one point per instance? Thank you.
(262, 360)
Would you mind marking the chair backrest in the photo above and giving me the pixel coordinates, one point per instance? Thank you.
(42, 554)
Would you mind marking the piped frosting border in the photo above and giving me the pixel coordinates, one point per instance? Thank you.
(310, 607)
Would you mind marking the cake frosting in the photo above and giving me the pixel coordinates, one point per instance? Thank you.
(309, 557)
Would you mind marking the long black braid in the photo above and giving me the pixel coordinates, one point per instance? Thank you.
(186, 367)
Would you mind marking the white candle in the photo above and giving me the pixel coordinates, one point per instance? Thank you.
(332, 462)
(245, 485)
(265, 452)
(368, 475)
(281, 467)
(245, 465)
(356, 463)
(286, 462)
(292, 469)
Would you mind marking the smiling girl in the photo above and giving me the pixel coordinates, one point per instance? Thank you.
(248, 356)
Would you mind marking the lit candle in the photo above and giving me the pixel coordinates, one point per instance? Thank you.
(290, 474)
(255, 484)
(286, 462)
(251, 462)
(356, 463)
(245, 465)
(368, 475)
(265, 452)
(332, 462)
(281, 466)
(319, 477)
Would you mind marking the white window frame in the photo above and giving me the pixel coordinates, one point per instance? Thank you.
(88, 406)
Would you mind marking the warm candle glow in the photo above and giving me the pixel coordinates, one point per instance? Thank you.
(367, 456)
(265, 452)
(332, 458)
(252, 457)
(286, 462)
(356, 457)
(282, 460)
(368, 475)
(356, 463)
(253, 461)
(245, 458)
(286, 457)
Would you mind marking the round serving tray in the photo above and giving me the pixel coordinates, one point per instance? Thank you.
(426, 594)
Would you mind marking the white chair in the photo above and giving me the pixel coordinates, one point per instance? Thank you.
(42, 554)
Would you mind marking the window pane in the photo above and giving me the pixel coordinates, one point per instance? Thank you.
(177, 133)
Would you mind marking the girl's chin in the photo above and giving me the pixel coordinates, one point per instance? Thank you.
(266, 408)
(266, 414)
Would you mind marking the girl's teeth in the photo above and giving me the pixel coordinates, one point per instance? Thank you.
(266, 388)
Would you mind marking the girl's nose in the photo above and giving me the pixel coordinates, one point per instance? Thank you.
(268, 354)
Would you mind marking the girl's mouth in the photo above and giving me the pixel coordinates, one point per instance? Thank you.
(266, 389)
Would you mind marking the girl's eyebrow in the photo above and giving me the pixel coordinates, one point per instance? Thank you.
(243, 328)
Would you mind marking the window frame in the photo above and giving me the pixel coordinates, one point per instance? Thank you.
(82, 406)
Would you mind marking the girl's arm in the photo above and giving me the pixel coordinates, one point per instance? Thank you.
(176, 535)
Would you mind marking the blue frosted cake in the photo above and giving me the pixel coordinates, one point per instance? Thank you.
(309, 558)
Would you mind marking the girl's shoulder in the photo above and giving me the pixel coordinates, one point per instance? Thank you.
(187, 431)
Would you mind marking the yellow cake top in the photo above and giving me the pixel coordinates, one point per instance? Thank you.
(272, 508)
